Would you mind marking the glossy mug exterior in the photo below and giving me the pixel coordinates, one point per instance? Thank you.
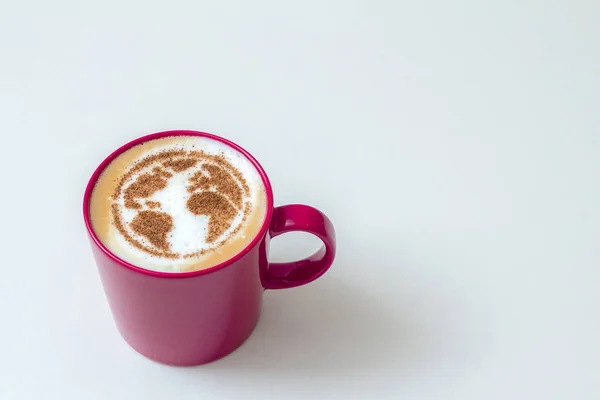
(196, 317)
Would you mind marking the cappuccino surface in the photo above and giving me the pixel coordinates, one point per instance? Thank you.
(178, 204)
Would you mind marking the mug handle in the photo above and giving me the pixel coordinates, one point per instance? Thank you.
(303, 218)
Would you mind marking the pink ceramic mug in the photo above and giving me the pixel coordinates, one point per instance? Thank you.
(195, 317)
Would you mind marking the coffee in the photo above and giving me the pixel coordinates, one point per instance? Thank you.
(178, 204)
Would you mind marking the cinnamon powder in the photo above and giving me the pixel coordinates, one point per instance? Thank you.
(217, 191)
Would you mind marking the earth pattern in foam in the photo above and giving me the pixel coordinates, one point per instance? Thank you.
(214, 188)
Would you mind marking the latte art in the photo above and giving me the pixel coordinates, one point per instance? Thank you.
(215, 189)
(181, 203)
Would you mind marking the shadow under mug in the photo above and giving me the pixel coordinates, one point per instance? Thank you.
(192, 318)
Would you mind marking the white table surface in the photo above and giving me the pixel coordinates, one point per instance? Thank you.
(455, 145)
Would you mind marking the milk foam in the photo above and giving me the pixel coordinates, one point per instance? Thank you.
(187, 240)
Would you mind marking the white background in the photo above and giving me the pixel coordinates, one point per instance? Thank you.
(454, 144)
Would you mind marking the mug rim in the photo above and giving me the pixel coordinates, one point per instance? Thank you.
(176, 275)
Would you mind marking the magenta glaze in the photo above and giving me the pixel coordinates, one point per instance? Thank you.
(195, 317)
(298, 217)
